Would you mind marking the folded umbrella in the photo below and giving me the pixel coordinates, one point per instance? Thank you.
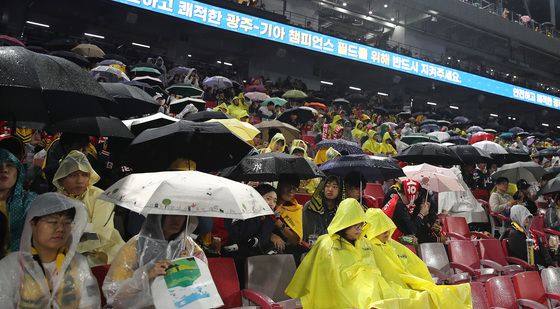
(89, 51)
(290, 132)
(218, 82)
(187, 193)
(294, 94)
(206, 115)
(93, 126)
(257, 96)
(211, 145)
(244, 130)
(343, 146)
(42, 88)
(373, 168)
(136, 126)
(184, 90)
(303, 115)
(490, 148)
(272, 167)
(277, 101)
(470, 154)
(415, 138)
(431, 153)
(132, 101)
(530, 171)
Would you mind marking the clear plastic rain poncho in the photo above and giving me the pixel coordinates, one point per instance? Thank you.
(336, 274)
(23, 283)
(406, 272)
(127, 284)
(108, 241)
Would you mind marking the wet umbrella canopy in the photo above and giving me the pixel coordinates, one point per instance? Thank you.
(303, 115)
(470, 154)
(94, 126)
(210, 144)
(273, 166)
(373, 168)
(206, 115)
(42, 88)
(431, 153)
(341, 145)
(132, 101)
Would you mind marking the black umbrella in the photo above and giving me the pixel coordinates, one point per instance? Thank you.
(380, 111)
(132, 101)
(373, 168)
(71, 56)
(95, 126)
(552, 186)
(513, 155)
(458, 140)
(146, 87)
(341, 145)
(177, 106)
(303, 115)
(272, 167)
(206, 115)
(431, 153)
(470, 154)
(547, 152)
(149, 122)
(551, 172)
(42, 88)
(210, 144)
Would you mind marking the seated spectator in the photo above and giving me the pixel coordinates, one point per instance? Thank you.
(411, 212)
(386, 147)
(521, 230)
(403, 268)
(277, 144)
(47, 272)
(254, 236)
(268, 111)
(145, 257)
(320, 210)
(288, 216)
(371, 146)
(552, 214)
(358, 132)
(75, 178)
(500, 201)
(14, 201)
(525, 197)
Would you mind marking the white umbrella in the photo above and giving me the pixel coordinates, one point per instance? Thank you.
(257, 96)
(153, 121)
(433, 178)
(412, 170)
(490, 147)
(218, 82)
(186, 193)
(441, 136)
(530, 171)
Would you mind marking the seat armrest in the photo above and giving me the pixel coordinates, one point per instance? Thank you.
(456, 236)
(480, 235)
(530, 304)
(464, 268)
(520, 262)
(551, 231)
(554, 296)
(257, 298)
(492, 264)
(500, 216)
(438, 273)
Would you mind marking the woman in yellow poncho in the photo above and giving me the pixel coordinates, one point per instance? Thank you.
(237, 106)
(340, 271)
(358, 131)
(371, 146)
(385, 147)
(277, 144)
(404, 270)
(75, 178)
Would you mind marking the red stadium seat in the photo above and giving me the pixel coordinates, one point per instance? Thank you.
(458, 229)
(435, 257)
(492, 255)
(479, 299)
(464, 257)
(375, 190)
(530, 290)
(370, 201)
(100, 272)
(498, 222)
(225, 277)
(500, 292)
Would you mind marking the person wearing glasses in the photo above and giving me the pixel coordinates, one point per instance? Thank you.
(48, 272)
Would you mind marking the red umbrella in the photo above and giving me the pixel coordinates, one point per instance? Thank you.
(481, 136)
(317, 105)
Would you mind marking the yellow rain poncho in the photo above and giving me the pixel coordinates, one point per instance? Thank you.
(222, 108)
(237, 106)
(275, 139)
(100, 213)
(325, 154)
(292, 214)
(386, 148)
(337, 274)
(357, 132)
(405, 271)
(371, 146)
(299, 144)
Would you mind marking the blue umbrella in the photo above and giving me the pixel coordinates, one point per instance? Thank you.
(460, 120)
(547, 152)
(373, 168)
(506, 135)
(458, 140)
(341, 145)
(516, 130)
(430, 127)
